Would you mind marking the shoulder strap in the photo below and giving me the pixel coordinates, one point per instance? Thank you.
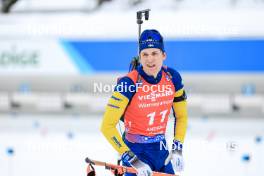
(139, 78)
(165, 68)
(133, 75)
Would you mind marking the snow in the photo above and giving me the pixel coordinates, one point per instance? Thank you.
(42, 145)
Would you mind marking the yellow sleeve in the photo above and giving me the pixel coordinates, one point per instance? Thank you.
(181, 115)
(114, 110)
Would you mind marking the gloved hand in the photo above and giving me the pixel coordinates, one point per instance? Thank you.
(175, 156)
(142, 168)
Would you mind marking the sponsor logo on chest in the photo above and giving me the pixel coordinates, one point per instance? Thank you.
(153, 96)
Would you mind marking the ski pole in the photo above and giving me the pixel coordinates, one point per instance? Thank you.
(119, 168)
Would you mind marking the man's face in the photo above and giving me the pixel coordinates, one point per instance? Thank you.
(152, 60)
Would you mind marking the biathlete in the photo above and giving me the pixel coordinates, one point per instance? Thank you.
(144, 101)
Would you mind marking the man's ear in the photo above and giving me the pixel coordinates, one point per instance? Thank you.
(164, 55)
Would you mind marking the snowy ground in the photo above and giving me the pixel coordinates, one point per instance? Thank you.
(57, 145)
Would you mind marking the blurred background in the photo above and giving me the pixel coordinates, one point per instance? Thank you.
(59, 60)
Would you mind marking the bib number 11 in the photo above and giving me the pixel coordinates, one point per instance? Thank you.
(153, 114)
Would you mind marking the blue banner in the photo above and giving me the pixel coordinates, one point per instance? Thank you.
(231, 55)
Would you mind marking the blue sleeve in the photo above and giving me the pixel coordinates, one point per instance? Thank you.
(176, 79)
(126, 87)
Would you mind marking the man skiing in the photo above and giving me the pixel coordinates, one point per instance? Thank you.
(148, 94)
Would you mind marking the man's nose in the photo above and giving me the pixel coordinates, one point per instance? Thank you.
(150, 58)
